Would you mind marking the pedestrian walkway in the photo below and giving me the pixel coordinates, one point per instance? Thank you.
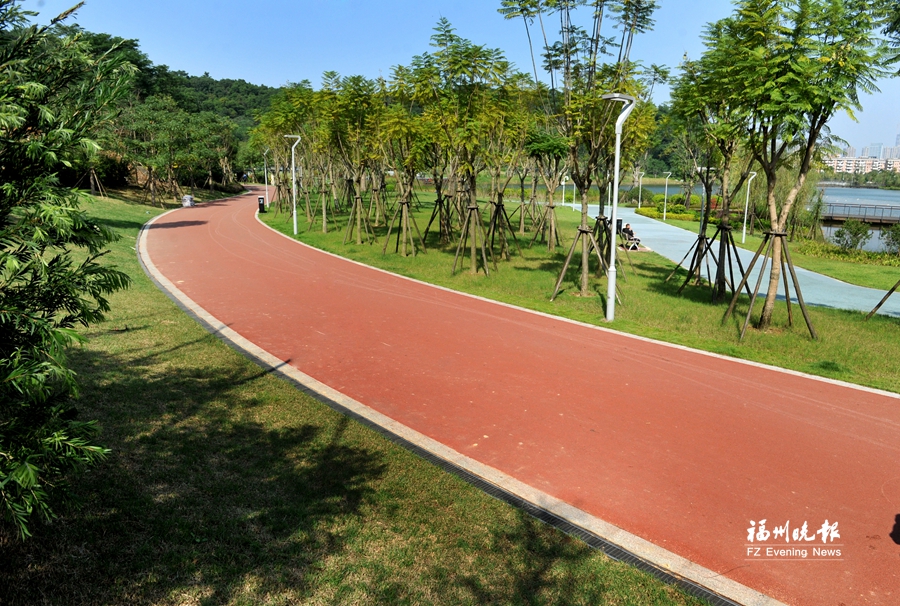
(673, 243)
(746, 479)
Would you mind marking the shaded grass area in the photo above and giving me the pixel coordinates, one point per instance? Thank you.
(849, 348)
(133, 194)
(861, 274)
(228, 486)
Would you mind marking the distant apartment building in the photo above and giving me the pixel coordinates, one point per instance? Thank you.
(850, 152)
(862, 165)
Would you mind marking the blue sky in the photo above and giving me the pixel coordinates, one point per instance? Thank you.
(274, 42)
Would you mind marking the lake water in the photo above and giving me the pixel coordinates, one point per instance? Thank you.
(854, 196)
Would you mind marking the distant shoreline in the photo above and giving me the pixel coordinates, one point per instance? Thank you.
(855, 185)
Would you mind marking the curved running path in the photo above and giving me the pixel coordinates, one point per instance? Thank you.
(679, 448)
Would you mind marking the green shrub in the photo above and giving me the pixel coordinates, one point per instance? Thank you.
(654, 213)
(852, 235)
(826, 250)
(679, 199)
(890, 237)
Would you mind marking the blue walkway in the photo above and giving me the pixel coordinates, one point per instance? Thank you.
(673, 242)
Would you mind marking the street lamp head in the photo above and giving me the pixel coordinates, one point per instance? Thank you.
(628, 101)
(618, 97)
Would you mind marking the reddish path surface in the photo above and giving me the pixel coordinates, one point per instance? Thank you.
(680, 460)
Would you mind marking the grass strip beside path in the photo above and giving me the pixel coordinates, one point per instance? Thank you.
(227, 485)
(850, 349)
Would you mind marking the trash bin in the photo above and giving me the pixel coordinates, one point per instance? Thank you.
(618, 226)
(262, 204)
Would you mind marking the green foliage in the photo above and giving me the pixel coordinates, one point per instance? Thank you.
(176, 145)
(890, 237)
(826, 250)
(632, 195)
(852, 235)
(55, 94)
(546, 145)
(680, 199)
(671, 214)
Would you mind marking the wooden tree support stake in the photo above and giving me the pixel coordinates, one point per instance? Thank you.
(500, 224)
(404, 232)
(768, 244)
(883, 300)
(472, 225)
(583, 232)
(441, 212)
(358, 213)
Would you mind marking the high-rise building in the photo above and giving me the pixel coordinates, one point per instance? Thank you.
(872, 151)
(898, 141)
(850, 152)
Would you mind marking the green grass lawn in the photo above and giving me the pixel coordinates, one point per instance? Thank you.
(861, 274)
(849, 348)
(229, 486)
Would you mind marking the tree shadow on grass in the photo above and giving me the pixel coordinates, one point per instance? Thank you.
(197, 502)
(540, 568)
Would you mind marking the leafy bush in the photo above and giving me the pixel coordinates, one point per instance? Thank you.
(852, 235)
(890, 237)
(55, 95)
(826, 250)
(654, 213)
(631, 196)
(670, 207)
(679, 199)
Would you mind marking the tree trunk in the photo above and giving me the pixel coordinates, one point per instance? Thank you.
(585, 245)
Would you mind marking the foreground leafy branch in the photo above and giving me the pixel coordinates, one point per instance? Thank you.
(53, 95)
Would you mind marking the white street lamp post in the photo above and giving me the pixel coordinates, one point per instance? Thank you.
(294, 178)
(666, 198)
(628, 102)
(640, 188)
(266, 170)
(746, 206)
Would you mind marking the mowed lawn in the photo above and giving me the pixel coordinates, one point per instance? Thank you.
(229, 486)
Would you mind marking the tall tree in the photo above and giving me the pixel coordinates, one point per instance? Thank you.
(578, 115)
(796, 64)
(54, 94)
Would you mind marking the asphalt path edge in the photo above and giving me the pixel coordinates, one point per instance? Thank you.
(613, 541)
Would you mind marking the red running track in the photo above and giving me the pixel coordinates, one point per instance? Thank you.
(680, 448)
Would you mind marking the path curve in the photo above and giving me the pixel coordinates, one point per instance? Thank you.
(680, 464)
